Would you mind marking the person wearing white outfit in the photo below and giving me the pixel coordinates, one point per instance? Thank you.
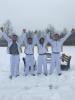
(14, 50)
(56, 44)
(23, 37)
(29, 51)
(42, 56)
(23, 41)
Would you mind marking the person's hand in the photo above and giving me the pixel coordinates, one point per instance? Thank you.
(2, 29)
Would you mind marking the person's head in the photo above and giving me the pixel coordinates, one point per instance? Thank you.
(29, 40)
(56, 36)
(14, 38)
(41, 40)
(24, 30)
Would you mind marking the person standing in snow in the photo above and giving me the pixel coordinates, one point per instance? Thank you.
(14, 50)
(56, 44)
(29, 51)
(42, 56)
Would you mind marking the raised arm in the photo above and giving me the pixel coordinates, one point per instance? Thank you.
(22, 39)
(6, 37)
(67, 36)
(48, 39)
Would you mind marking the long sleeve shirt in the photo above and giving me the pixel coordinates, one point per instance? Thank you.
(9, 41)
(29, 49)
(56, 45)
(42, 48)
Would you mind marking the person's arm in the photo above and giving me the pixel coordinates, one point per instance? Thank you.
(48, 39)
(6, 37)
(22, 40)
(35, 39)
(67, 36)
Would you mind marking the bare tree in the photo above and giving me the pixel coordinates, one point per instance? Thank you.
(51, 28)
(8, 27)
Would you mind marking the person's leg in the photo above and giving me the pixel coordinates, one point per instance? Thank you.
(58, 64)
(32, 64)
(39, 70)
(52, 67)
(44, 62)
(27, 64)
(12, 65)
(17, 60)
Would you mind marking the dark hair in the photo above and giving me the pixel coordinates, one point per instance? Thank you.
(29, 38)
(15, 35)
(41, 39)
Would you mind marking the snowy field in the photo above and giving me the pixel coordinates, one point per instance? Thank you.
(51, 87)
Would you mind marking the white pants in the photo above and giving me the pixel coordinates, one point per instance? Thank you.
(29, 63)
(55, 63)
(14, 61)
(42, 63)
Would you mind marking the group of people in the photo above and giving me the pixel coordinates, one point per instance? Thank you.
(14, 46)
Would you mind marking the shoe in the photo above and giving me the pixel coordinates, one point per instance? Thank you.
(45, 74)
(10, 77)
(17, 75)
(33, 74)
(59, 74)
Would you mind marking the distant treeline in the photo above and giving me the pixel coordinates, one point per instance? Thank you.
(3, 43)
(70, 40)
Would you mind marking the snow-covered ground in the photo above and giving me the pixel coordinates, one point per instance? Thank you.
(51, 87)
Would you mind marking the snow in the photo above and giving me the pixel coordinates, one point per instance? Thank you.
(51, 87)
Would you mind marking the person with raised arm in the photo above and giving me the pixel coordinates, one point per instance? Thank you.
(42, 50)
(56, 44)
(14, 50)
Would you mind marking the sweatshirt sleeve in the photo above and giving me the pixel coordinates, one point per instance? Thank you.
(48, 39)
(66, 37)
(6, 37)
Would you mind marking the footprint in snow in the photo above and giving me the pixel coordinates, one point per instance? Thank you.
(27, 88)
(52, 87)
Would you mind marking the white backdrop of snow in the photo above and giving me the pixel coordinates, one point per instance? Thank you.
(51, 87)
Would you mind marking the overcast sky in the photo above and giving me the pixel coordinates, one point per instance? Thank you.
(37, 14)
